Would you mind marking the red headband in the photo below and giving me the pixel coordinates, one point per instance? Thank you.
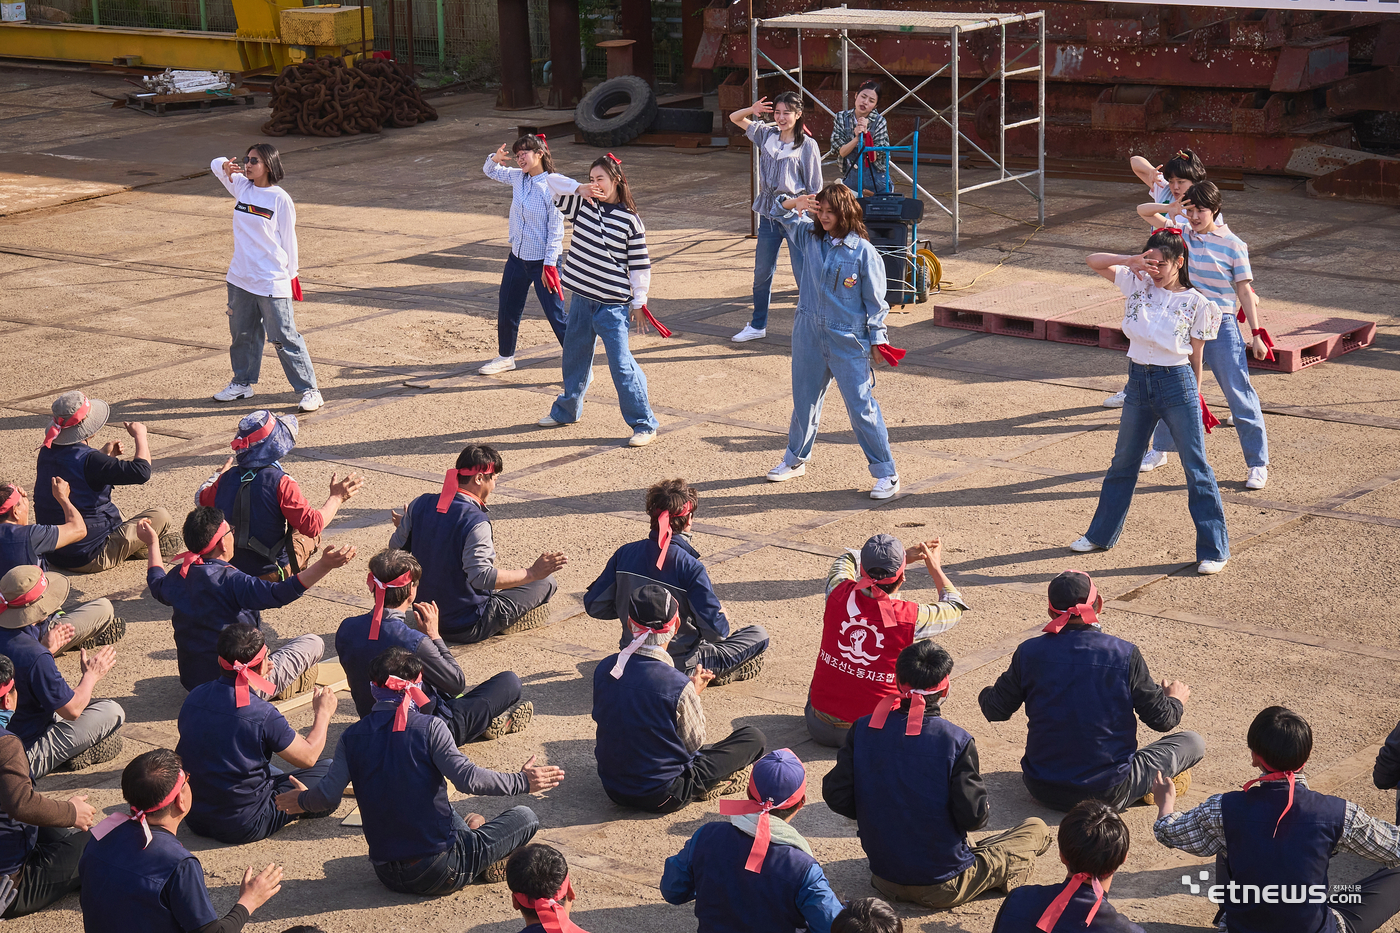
(116, 819)
(1084, 610)
(410, 689)
(882, 599)
(379, 587)
(7, 687)
(917, 705)
(764, 834)
(24, 599)
(552, 918)
(1278, 776)
(453, 478)
(186, 558)
(640, 635)
(246, 676)
(12, 500)
(243, 443)
(1176, 230)
(1052, 913)
(663, 530)
(72, 420)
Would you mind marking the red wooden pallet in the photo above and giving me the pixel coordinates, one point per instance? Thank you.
(1022, 309)
(1303, 340)
(1100, 326)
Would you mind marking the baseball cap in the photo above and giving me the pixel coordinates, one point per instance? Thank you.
(882, 556)
(1069, 589)
(652, 606)
(777, 776)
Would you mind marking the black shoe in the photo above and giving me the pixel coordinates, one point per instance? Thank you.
(746, 671)
(103, 751)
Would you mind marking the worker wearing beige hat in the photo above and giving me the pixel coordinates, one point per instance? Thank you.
(92, 472)
(62, 728)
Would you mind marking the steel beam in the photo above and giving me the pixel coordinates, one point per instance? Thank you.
(517, 90)
(634, 19)
(566, 82)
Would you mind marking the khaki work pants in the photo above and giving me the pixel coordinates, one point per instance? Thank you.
(1003, 861)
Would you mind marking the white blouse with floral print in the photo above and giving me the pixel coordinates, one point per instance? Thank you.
(1159, 324)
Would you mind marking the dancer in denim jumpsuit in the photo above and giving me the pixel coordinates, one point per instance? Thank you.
(841, 311)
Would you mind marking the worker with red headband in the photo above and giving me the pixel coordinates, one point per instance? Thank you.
(91, 473)
(1276, 833)
(228, 735)
(755, 871)
(400, 760)
(651, 748)
(41, 838)
(1081, 688)
(62, 728)
(488, 711)
(208, 594)
(137, 876)
(275, 529)
(666, 558)
(865, 626)
(538, 878)
(1093, 843)
(911, 781)
(449, 532)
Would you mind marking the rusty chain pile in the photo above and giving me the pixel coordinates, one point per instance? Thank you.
(322, 97)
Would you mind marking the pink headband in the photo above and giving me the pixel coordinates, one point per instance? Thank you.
(882, 599)
(764, 833)
(72, 420)
(247, 675)
(551, 917)
(917, 705)
(1084, 610)
(11, 500)
(640, 633)
(243, 443)
(7, 687)
(24, 599)
(187, 558)
(116, 819)
(663, 530)
(410, 689)
(1278, 776)
(451, 480)
(377, 616)
(1052, 913)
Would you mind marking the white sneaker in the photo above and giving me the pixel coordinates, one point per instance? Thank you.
(1207, 567)
(232, 391)
(548, 422)
(885, 487)
(1151, 461)
(1084, 546)
(310, 400)
(641, 438)
(1228, 421)
(1116, 400)
(1258, 478)
(782, 472)
(501, 364)
(750, 333)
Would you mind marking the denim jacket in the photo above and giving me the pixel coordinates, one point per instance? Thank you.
(843, 283)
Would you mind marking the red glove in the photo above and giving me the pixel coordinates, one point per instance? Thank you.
(1207, 419)
(551, 279)
(660, 328)
(891, 354)
(1268, 342)
(296, 289)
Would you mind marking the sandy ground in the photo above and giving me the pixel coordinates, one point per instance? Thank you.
(1001, 444)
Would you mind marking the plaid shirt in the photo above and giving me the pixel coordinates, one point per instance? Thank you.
(536, 226)
(1201, 831)
(844, 130)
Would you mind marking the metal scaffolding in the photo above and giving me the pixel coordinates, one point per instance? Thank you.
(844, 21)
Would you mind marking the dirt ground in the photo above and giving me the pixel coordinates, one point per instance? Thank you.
(113, 247)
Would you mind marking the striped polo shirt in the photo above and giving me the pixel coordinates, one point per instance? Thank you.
(609, 242)
(1216, 262)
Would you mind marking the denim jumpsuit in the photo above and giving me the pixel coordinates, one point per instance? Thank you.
(841, 311)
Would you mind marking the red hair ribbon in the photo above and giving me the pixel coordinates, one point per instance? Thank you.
(296, 288)
(891, 354)
(764, 833)
(1084, 610)
(411, 689)
(552, 917)
(1052, 913)
(186, 558)
(246, 676)
(71, 421)
(243, 443)
(11, 500)
(24, 599)
(917, 705)
(1176, 230)
(663, 530)
(1208, 419)
(379, 587)
(451, 480)
(882, 599)
(1261, 333)
(1277, 776)
(116, 819)
(7, 687)
(616, 160)
(639, 635)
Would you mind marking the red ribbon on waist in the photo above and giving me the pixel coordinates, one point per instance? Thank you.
(71, 421)
(917, 705)
(246, 676)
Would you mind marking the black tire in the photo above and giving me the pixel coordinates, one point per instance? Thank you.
(681, 120)
(604, 131)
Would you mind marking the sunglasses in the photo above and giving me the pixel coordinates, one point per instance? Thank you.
(252, 160)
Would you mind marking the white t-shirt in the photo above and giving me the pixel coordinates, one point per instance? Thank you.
(1159, 324)
(264, 236)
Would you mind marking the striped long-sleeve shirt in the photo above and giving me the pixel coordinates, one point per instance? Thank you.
(608, 259)
(536, 229)
(1217, 262)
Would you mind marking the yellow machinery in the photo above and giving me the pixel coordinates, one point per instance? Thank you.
(271, 35)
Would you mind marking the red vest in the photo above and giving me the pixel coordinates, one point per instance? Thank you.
(855, 666)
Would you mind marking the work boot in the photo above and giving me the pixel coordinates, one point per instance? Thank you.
(532, 619)
(746, 671)
(736, 783)
(103, 751)
(512, 720)
(299, 686)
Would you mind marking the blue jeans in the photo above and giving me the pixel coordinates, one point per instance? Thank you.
(474, 851)
(877, 180)
(820, 355)
(1169, 394)
(588, 321)
(270, 819)
(252, 321)
(515, 288)
(765, 262)
(1228, 358)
